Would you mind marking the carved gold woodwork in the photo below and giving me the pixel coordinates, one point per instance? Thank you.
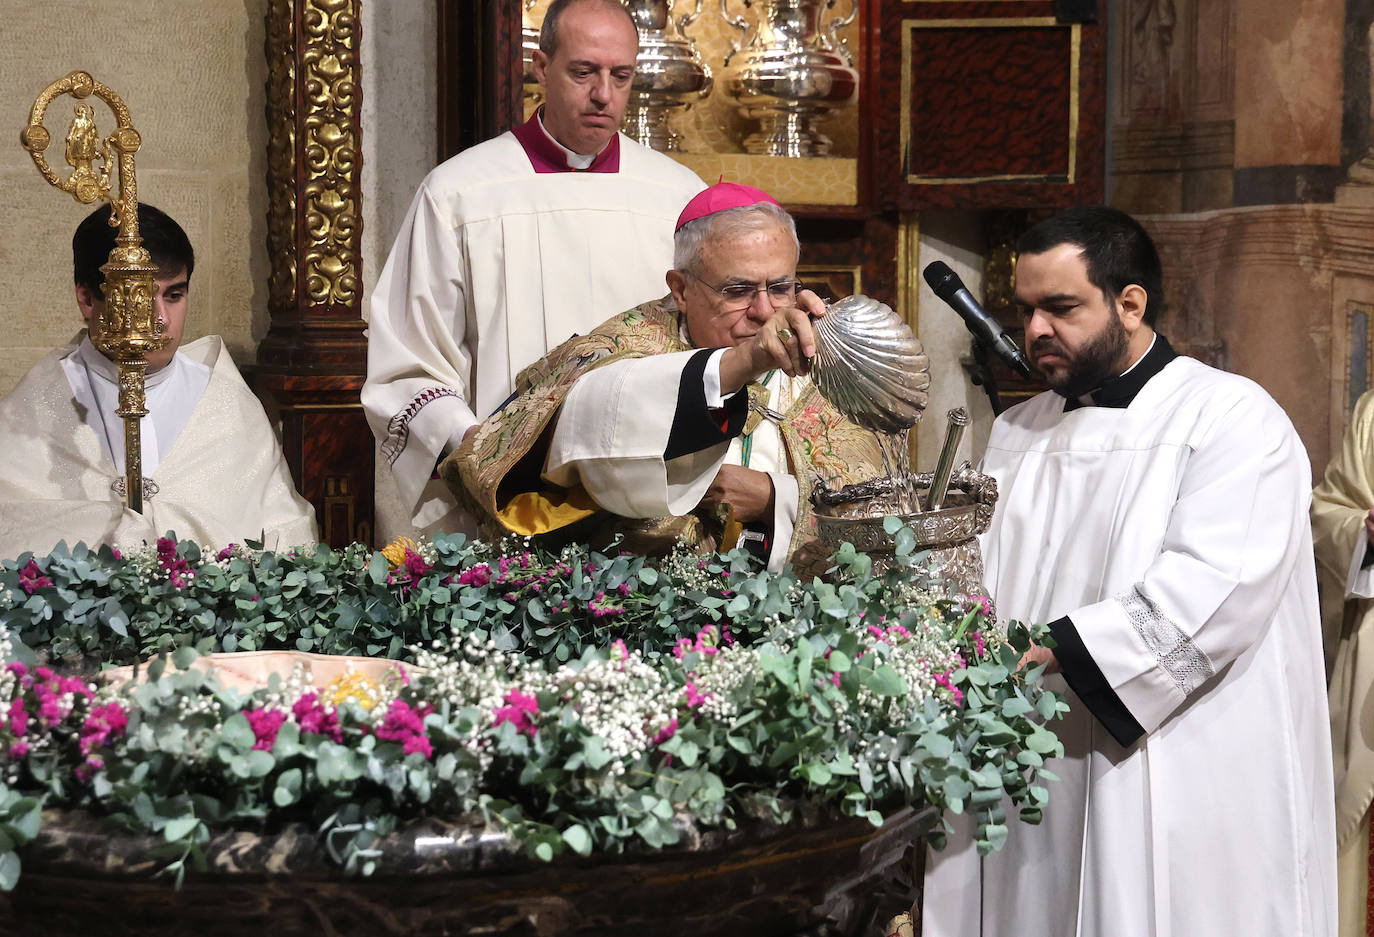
(313, 70)
(312, 360)
(128, 327)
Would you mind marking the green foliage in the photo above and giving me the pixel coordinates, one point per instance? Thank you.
(579, 701)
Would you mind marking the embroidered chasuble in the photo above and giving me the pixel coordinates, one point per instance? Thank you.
(1166, 536)
(1339, 506)
(500, 259)
(219, 478)
(635, 436)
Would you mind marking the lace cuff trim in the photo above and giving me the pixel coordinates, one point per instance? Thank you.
(1174, 650)
(398, 428)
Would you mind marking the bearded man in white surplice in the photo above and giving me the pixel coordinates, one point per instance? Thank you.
(1153, 511)
(512, 247)
(214, 471)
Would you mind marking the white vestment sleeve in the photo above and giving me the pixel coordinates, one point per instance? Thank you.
(419, 360)
(611, 434)
(1359, 582)
(1236, 531)
(785, 500)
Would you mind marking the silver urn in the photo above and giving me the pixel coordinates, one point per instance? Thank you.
(855, 514)
(669, 77)
(789, 71)
(529, 42)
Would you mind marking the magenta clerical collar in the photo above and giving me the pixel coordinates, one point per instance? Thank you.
(545, 156)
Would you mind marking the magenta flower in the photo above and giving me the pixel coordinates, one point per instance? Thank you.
(315, 718)
(224, 554)
(520, 710)
(102, 723)
(32, 578)
(418, 743)
(406, 725)
(600, 607)
(19, 748)
(694, 696)
(942, 679)
(981, 603)
(266, 723)
(478, 575)
(667, 732)
(179, 572)
(415, 564)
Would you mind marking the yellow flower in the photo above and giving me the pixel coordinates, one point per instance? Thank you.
(351, 687)
(395, 551)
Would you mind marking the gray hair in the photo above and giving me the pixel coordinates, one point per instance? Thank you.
(548, 30)
(690, 238)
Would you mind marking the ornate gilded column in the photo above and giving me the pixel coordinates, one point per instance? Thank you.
(314, 357)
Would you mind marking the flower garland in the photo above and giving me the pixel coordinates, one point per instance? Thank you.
(702, 691)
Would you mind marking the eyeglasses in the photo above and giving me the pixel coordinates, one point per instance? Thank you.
(737, 296)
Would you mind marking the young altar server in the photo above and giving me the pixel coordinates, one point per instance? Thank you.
(1153, 511)
(687, 419)
(513, 246)
(213, 469)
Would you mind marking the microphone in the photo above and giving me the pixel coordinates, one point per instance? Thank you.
(947, 285)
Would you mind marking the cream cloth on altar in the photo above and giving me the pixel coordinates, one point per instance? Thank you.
(494, 266)
(222, 480)
(613, 429)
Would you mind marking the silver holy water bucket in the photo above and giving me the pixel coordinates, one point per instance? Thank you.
(855, 514)
(669, 77)
(875, 372)
(789, 72)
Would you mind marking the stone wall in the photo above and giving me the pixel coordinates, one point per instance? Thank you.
(192, 74)
(1235, 123)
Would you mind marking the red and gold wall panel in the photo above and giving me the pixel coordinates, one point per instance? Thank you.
(999, 104)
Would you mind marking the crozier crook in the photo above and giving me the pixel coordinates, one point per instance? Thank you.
(128, 328)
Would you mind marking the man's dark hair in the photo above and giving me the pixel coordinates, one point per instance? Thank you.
(1116, 250)
(548, 30)
(163, 239)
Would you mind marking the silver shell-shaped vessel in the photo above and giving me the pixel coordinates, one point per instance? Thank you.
(870, 365)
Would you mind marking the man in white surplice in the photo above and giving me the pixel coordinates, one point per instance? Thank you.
(514, 245)
(1153, 510)
(683, 420)
(213, 469)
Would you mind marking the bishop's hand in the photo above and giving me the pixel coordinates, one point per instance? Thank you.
(747, 491)
(786, 342)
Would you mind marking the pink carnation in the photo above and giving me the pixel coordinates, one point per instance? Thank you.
(32, 578)
(478, 575)
(520, 710)
(667, 732)
(265, 724)
(406, 725)
(695, 697)
(315, 718)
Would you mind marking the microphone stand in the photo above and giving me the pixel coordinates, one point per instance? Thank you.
(981, 374)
